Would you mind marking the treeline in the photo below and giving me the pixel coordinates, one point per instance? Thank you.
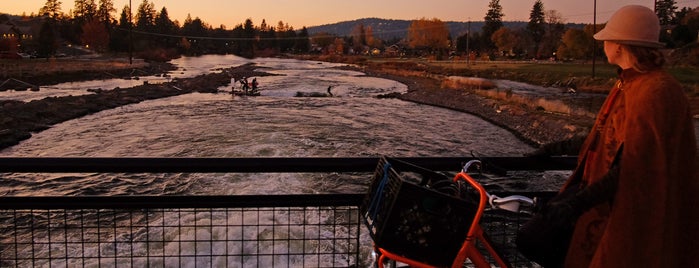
(545, 35)
(151, 34)
(154, 35)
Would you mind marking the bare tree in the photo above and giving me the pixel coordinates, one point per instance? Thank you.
(554, 32)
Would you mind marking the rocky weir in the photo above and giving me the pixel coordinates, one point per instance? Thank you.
(18, 120)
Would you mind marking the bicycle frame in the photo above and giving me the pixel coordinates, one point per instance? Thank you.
(475, 233)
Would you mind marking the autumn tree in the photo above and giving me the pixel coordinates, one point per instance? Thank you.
(493, 22)
(432, 35)
(323, 39)
(536, 28)
(575, 44)
(338, 46)
(505, 40)
(371, 40)
(95, 35)
(686, 31)
(358, 38)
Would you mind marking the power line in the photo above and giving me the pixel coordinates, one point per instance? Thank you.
(210, 38)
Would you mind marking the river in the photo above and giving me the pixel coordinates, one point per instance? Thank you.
(351, 123)
(276, 124)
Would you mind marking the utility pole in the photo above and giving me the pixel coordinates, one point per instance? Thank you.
(468, 36)
(594, 42)
(130, 34)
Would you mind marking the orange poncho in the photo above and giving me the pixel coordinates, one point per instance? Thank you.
(653, 220)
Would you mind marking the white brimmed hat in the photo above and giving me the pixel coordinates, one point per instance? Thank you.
(632, 25)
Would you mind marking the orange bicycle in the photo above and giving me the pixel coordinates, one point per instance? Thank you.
(414, 224)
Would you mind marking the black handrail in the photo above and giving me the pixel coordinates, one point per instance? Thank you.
(198, 201)
(271, 164)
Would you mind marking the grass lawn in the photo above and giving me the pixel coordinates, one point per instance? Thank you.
(545, 73)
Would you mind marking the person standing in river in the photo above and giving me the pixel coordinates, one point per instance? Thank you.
(254, 85)
(636, 168)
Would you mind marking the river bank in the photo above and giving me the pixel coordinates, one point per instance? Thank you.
(18, 120)
(536, 127)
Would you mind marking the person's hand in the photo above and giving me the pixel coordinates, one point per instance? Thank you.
(562, 212)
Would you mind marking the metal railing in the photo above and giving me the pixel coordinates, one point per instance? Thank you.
(323, 230)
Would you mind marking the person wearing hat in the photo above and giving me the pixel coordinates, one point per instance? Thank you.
(636, 168)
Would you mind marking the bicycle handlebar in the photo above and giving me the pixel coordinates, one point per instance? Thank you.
(509, 203)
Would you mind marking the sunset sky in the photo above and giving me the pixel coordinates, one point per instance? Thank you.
(299, 13)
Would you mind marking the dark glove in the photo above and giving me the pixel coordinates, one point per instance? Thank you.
(566, 211)
(569, 146)
(563, 212)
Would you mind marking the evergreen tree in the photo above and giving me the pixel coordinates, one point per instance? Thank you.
(665, 9)
(536, 28)
(145, 16)
(165, 27)
(119, 40)
(493, 22)
(84, 10)
(52, 8)
(125, 18)
(248, 42)
(47, 39)
(303, 43)
(192, 29)
(286, 36)
(105, 10)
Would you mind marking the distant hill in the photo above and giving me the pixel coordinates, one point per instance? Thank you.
(387, 29)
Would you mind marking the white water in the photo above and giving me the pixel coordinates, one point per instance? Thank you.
(276, 124)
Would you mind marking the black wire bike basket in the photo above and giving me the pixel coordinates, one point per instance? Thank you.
(409, 214)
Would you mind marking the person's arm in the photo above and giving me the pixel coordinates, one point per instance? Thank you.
(567, 210)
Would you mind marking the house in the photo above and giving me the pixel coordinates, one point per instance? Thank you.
(17, 31)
